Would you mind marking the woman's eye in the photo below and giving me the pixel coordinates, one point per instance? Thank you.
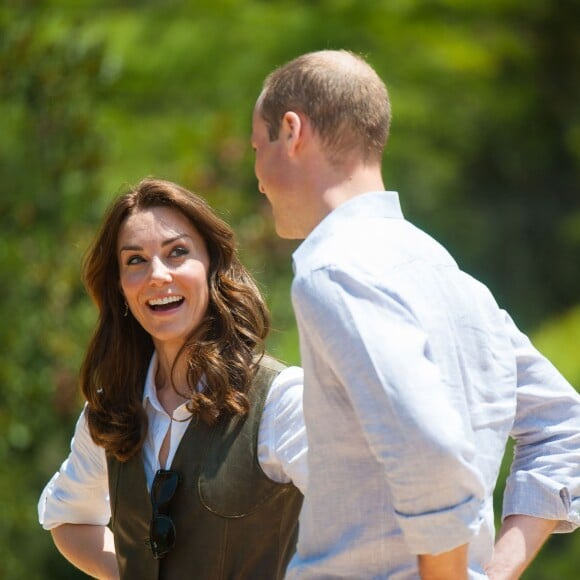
(134, 260)
(179, 251)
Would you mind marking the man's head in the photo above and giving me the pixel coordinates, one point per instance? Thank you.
(319, 129)
(342, 96)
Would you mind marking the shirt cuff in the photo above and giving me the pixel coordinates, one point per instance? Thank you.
(534, 494)
(442, 530)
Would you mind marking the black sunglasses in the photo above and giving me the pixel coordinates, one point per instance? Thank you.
(162, 529)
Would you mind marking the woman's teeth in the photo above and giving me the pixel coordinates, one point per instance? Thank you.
(158, 303)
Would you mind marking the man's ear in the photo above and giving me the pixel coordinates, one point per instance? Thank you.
(292, 131)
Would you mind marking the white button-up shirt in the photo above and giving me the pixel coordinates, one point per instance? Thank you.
(414, 379)
(78, 492)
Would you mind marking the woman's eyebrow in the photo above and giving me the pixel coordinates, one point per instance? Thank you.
(136, 248)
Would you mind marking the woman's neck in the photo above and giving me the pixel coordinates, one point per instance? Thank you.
(171, 380)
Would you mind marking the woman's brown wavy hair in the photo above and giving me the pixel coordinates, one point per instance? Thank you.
(222, 349)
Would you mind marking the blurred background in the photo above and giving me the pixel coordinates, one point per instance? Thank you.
(96, 94)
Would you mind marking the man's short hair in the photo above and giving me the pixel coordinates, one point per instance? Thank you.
(342, 96)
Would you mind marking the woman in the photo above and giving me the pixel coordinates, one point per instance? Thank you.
(197, 437)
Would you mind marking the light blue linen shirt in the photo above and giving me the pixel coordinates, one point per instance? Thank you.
(414, 380)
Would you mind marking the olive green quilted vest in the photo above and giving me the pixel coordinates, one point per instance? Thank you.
(231, 520)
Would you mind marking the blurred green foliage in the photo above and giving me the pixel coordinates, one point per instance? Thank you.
(485, 150)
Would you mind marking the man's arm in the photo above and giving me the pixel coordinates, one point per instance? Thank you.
(450, 565)
(519, 540)
(406, 411)
(544, 479)
(89, 548)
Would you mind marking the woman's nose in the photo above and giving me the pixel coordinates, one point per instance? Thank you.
(160, 273)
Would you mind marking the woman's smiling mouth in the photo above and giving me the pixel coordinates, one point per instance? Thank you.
(165, 303)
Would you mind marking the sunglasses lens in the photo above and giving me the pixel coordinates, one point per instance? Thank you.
(164, 486)
(161, 536)
(162, 530)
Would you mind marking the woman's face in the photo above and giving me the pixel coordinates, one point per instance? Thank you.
(163, 270)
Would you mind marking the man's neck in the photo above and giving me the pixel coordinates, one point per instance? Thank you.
(360, 179)
(325, 186)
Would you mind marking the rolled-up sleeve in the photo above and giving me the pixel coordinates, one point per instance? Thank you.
(544, 480)
(78, 492)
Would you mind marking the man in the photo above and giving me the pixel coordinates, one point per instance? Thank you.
(414, 377)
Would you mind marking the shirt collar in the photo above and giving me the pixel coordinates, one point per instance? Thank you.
(150, 390)
(382, 204)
